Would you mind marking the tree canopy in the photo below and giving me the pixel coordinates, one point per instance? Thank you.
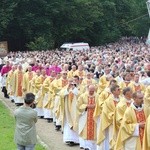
(35, 24)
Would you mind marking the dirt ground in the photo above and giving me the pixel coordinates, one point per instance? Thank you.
(52, 139)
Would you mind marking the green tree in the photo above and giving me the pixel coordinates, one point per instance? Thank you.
(39, 43)
(24, 22)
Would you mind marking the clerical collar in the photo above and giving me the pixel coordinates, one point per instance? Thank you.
(92, 96)
(108, 90)
(128, 100)
(127, 81)
(116, 99)
(138, 108)
(136, 84)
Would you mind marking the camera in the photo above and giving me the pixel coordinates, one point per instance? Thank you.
(33, 105)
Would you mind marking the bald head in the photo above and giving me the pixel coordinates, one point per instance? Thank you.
(29, 68)
(43, 72)
(147, 67)
(80, 67)
(88, 75)
(38, 72)
(91, 89)
(73, 67)
(14, 67)
(64, 74)
(65, 67)
(107, 70)
(19, 67)
(109, 77)
(70, 81)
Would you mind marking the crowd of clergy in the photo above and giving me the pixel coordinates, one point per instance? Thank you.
(99, 98)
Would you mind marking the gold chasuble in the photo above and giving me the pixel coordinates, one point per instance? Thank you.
(18, 78)
(64, 83)
(38, 82)
(103, 83)
(99, 105)
(49, 95)
(9, 82)
(81, 74)
(146, 140)
(147, 100)
(58, 87)
(40, 94)
(70, 74)
(86, 82)
(127, 136)
(32, 84)
(107, 120)
(136, 87)
(124, 84)
(26, 80)
(118, 116)
(67, 107)
(87, 125)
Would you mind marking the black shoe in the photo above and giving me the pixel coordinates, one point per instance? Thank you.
(72, 144)
(6, 96)
(41, 117)
(67, 142)
(19, 104)
(86, 149)
(49, 120)
(81, 148)
(12, 101)
(57, 128)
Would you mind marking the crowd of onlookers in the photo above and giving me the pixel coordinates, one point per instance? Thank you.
(110, 71)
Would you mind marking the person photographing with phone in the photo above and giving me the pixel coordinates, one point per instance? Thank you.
(25, 132)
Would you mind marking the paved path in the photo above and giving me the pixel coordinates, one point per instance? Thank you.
(52, 139)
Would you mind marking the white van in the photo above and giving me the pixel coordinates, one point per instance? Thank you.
(75, 46)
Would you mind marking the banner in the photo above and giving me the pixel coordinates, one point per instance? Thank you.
(3, 48)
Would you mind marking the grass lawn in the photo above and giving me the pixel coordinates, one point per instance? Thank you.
(7, 128)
